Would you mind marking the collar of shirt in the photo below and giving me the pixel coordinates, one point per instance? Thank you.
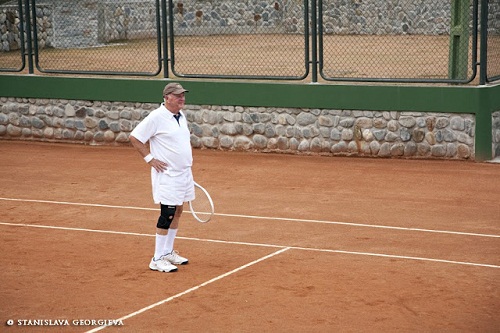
(171, 114)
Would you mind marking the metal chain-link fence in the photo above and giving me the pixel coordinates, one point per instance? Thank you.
(413, 40)
(265, 40)
(118, 37)
(311, 40)
(493, 41)
(94, 37)
(12, 36)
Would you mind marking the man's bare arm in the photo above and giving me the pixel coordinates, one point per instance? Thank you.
(143, 149)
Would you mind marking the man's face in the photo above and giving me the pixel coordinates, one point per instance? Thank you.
(175, 102)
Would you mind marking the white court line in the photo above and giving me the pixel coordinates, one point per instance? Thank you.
(193, 288)
(268, 218)
(382, 255)
(392, 256)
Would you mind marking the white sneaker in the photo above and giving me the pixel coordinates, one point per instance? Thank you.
(174, 258)
(161, 265)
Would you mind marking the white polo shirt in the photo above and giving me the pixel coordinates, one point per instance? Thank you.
(169, 142)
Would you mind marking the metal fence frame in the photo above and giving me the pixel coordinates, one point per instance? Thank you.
(483, 62)
(257, 77)
(473, 64)
(154, 73)
(314, 52)
(23, 42)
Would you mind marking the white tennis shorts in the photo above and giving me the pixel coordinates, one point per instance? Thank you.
(173, 189)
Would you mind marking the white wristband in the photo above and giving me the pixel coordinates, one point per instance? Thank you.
(148, 158)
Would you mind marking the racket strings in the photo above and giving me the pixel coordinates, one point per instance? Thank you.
(201, 205)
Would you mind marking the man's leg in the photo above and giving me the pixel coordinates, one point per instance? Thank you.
(167, 216)
(168, 250)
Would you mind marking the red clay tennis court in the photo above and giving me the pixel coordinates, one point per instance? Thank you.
(298, 244)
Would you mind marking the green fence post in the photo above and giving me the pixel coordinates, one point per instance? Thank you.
(314, 34)
(28, 30)
(483, 43)
(459, 40)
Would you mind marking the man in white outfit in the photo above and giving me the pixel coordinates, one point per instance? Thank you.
(163, 140)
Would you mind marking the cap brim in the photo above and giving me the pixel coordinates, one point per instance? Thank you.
(179, 91)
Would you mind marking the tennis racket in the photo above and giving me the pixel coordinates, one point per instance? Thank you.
(202, 207)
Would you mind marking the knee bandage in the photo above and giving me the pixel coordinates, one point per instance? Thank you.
(166, 216)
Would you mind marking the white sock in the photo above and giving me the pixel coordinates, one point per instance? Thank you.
(169, 243)
(159, 245)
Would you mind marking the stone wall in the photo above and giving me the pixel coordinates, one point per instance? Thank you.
(335, 132)
(309, 131)
(496, 133)
(9, 29)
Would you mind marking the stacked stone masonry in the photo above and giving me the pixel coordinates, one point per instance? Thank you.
(294, 130)
(496, 133)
